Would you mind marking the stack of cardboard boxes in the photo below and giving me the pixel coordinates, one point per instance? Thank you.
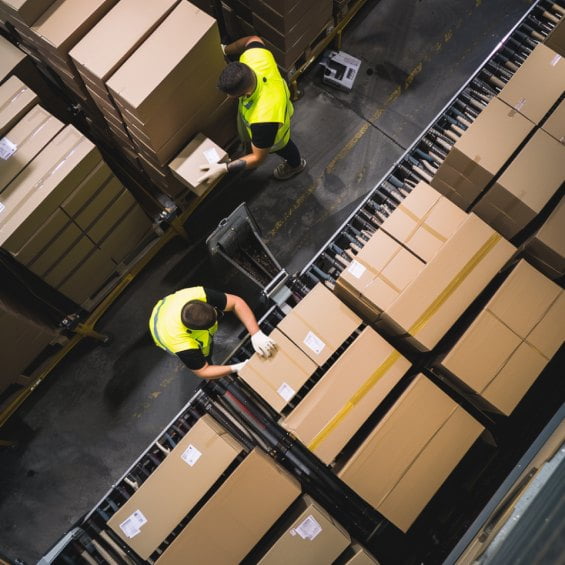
(288, 28)
(510, 162)
(22, 13)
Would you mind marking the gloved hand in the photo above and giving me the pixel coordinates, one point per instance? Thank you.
(235, 368)
(263, 344)
(223, 47)
(213, 171)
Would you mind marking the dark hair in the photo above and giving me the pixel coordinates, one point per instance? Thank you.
(235, 79)
(198, 315)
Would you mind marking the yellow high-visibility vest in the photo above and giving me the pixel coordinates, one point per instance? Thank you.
(270, 101)
(167, 329)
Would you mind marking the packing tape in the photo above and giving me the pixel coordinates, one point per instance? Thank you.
(14, 97)
(418, 325)
(421, 223)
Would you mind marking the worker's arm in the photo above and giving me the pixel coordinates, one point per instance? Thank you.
(213, 371)
(239, 45)
(249, 161)
(241, 309)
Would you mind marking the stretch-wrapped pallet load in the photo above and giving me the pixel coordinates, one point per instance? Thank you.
(289, 28)
(503, 352)
(65, 216)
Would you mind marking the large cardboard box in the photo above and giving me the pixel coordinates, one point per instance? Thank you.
(25, 11)
(237, 515)
(505, 349)
(172, 490)
(546, 248)
(523, 92)
(319, 324)
(279, 377)
(340, 403)
(411, 452)
(29, 136)
(310, 535)
(525, 187)
(356, 555)
(16, 99)
(186, 165)
(431, 303)
(556, 39)
(481, 152)
(555, 123)
(377, 276)
(424, 221)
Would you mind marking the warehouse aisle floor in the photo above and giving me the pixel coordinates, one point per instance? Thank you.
(101, 407)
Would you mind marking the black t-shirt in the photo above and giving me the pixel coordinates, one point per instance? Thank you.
(194, 358)
(262, 135)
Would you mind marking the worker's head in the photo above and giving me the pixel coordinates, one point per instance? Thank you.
(236, 80)
(198, 315)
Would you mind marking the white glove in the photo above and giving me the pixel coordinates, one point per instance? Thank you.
(263, 344)
(223, 48)
(238, 366)
(213, 171)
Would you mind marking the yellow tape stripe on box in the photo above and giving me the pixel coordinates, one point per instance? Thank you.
(418, 325)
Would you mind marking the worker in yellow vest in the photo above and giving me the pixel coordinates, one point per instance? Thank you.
(185, 322)
(264, 111)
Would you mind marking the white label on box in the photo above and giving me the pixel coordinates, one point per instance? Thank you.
(314, 343)
(309, 528)
(2, 207)
(356, 269)
(131, 526)
(191, 455)
(7, 148)
(555, 60)
(286, 391)
(211, 155)
(519, 105)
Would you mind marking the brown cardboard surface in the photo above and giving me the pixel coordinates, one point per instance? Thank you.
(381, 270)
(555, 124)
(422, 438)
(10, 58)
(319, 324)
(547, 337)
(180, 481)
(186, 165)
(424, 221)
(239, 513)
(16, 99)
(65, 22)
(522, 91)
(481, 151)
(186, 37)
(339, 404)
(279, 377)
(466, 263)
(116, 36)
(356, 555)
(525, 187)
(556, 39)
(26, 11)
(30, 135)
(310, 536)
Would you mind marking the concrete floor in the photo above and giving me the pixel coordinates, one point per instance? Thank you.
(103, 405)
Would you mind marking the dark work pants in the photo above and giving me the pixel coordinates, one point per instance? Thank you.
(290, 154)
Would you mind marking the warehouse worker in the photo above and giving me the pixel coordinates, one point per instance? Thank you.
(185, 322)
(264, 111)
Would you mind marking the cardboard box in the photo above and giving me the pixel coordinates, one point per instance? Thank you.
(546, 248)
(431, 303)
(555, 123)
(523, 93)
(25, 11)
(116, 36)
(556, 39)
(411, 452)
(525, 187)
(309, 535)
(186, 165)
(173, 489)
(10, 58)
(348, 393)
(239, 514)
(279, 377)
(16, 99)
(481, 152)
(30, 135)
(424, 221)
(377, 276)
(356, 555)
(319, 324)
(505, 349)
(185, 43)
